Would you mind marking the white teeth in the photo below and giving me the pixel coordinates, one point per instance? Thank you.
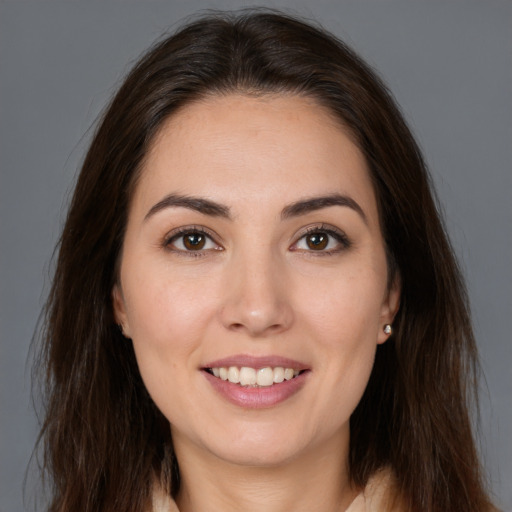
(265, 377)
(288, 374)
(278, 375)
(246, 376)
(234, 375)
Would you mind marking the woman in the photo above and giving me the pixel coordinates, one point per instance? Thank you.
(255, 302)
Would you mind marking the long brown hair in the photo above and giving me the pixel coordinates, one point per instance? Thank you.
(104, 439)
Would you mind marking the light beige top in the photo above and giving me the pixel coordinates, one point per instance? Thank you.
(376, 497)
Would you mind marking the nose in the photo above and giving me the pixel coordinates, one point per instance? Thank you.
(256, 296)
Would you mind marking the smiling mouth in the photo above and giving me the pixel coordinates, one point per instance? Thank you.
(255, 378)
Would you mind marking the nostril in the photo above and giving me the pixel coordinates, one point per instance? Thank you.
(237, 326)
(271, 318)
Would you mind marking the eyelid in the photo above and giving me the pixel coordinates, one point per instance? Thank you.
(332, 231)
(174, 234)
(339, 235)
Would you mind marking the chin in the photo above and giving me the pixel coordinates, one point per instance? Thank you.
(260, 446)
(258, 456)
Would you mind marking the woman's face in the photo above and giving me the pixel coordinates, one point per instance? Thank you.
(253, 251)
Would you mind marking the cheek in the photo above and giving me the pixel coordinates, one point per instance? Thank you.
(167, 317)
(163, 309)
(346, 306)
(344, 320)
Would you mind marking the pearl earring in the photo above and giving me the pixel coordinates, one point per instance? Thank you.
(388, 329)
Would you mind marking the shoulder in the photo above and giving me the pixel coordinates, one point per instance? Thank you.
(379, 495)
(162, 502)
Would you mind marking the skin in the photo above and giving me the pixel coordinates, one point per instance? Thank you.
(256, 288)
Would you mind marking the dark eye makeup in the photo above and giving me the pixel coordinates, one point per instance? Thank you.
(197, 241)
(323, 240)
(191, 240)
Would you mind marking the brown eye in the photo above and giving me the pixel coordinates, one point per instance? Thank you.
(194, 241)
(191, 240)
(322, 240)
(317, 241)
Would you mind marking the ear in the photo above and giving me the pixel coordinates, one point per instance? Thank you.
(119, 308)
(390, 307)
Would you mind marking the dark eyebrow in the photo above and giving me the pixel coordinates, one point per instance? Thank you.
(316, 203)
(199, 204)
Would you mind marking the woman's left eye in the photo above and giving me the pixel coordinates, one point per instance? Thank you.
(322, 240)
(191, 241)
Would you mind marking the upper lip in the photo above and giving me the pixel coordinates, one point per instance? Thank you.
(257, 362)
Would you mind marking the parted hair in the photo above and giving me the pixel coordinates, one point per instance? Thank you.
(103, 440)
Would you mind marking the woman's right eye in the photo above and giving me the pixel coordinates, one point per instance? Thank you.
(192, 240)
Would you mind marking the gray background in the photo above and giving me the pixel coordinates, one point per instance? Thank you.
(449, 65)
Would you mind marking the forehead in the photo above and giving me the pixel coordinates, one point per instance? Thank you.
(243, 150)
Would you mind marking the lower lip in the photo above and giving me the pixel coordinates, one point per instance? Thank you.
(257, 397)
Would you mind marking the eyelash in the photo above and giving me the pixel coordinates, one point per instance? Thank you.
(330, 231)
(175, 235)
(338, 235)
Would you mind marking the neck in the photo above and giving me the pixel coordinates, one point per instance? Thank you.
(315, 480)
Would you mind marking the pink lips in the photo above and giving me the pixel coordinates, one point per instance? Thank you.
(257, 362)
(257, 397)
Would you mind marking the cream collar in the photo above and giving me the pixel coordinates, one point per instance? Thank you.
(376, 497)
